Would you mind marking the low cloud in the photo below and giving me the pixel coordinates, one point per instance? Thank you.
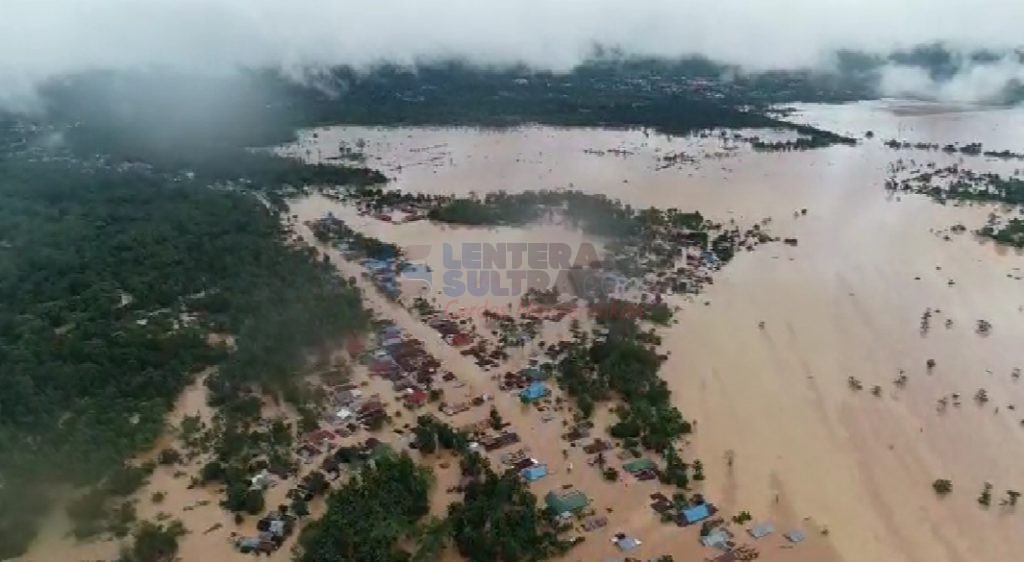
(41, 39)
(987, 82)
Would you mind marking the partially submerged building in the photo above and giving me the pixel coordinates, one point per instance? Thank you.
(761, 530)
(571, 501)
(534, 392)
(534, 473)
(694, 514)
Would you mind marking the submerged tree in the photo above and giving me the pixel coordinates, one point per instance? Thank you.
(154, 543)
(498, 520)
(942, 487)
(985, 498)
(368, 517)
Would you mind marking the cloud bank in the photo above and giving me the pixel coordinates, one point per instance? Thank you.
(974, 82)
(41, 39)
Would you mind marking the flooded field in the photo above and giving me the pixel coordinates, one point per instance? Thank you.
(844, 306)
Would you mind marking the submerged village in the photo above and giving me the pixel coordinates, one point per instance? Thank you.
(520, 386)
(556, 391)
(531, 409)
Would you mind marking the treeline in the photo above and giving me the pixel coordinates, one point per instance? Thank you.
(174, 120)
(988, 187)
(966, 185)
(110, 282)
(1010, 233)
(969, 149)
(631, 93)
(810, 138)
(593, 213)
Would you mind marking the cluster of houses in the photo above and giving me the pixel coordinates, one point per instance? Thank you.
(364, 452)
(461, 334)
(450, 330)
(384, 275)
(382, 262)
(510, 331)
(527, 467)
(642, 469)
(350, 410)
(535, 372)
(528, 382)
(273, 529)
(493, 442)
(404, 361)
(397, 214)
(716, 534)
(314, 443)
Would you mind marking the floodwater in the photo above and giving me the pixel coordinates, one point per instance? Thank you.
(807, 450)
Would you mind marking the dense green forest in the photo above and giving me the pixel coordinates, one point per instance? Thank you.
(110, 280)
(675, 98)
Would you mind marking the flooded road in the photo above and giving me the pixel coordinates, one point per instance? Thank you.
(846, 302)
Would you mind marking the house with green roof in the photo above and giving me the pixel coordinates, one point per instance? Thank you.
(566, 502)
(638, 465)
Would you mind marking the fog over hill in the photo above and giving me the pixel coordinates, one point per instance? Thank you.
(43, 39)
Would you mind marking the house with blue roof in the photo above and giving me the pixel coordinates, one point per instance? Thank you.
(534, 473)
(761, 531)
(626, 544)
(390, 289)
(534, 392)
(695, 514)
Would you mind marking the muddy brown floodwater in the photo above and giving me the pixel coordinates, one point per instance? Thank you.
(846, 302)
